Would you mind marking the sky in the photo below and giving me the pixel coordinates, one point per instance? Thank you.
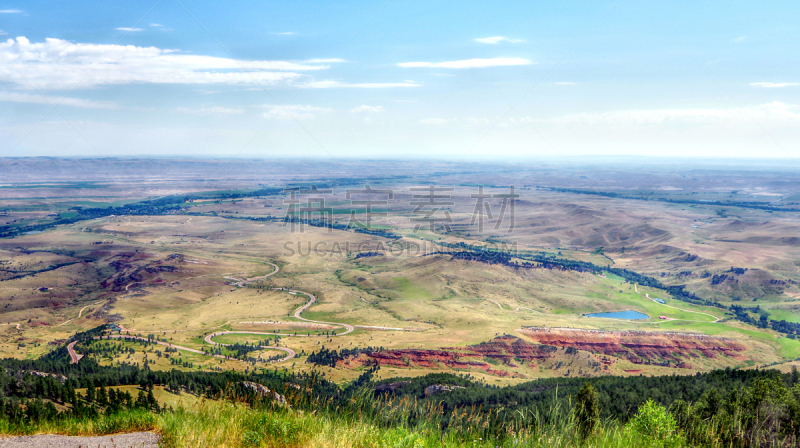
(454, 80)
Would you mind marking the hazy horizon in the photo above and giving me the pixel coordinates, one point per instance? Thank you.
(408, 79)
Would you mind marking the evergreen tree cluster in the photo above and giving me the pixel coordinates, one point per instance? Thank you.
(329, 358)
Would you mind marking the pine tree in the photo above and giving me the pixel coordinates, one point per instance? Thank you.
(152, 402)
(587, 410)
(102, 396)
(90, 394)
(141, 400)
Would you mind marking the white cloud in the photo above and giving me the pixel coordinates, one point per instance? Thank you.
(10, 11)
(774, 84)
(367, 85)
(498, 39)
(324, 60)
(434, 121)
(129, 29)
(60, 64)
(739, 39)
(2, 33)
(156, 24)
(565, 83)
(367, 109)
(296, 111)
(286, 33)
(16, 97)
(217, 110)
(776, 113)
(470, 63)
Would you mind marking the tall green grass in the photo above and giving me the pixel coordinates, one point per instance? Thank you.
(227, 424)
(126, 421)
(217, 424)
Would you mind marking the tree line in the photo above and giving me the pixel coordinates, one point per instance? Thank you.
(545, 261)
(326, 357)
(742, 408)
(610, 194)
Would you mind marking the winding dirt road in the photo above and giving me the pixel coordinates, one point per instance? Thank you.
(79, 313)
(647, 296)
(241, 283)
(290, 353)
(518, 308)
(311, 300)
(688, 311)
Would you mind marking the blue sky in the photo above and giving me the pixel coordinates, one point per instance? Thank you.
(459, 80)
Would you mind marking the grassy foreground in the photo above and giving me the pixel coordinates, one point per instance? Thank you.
(724, 408)
(222, 424)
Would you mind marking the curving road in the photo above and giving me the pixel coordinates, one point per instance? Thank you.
(290, 353)
(241, 283)
(518, 308)
(73, 357)
(688, 311)
(311, 299)
(80, 313)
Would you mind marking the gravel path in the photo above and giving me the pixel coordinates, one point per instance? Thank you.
(289, 352)
(132, 440)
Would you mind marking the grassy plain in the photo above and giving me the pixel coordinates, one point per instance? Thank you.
(175, 276)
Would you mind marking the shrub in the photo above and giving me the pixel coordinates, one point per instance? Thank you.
(653, 422)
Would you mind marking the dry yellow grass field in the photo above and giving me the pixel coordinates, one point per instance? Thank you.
(175, 276)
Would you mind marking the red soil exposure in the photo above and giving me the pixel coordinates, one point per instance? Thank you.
(431, 359)
(639, 346)
(502, 348)
(507, 347)
(126, 272)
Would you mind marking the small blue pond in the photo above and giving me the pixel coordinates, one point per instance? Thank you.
(629, 315)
